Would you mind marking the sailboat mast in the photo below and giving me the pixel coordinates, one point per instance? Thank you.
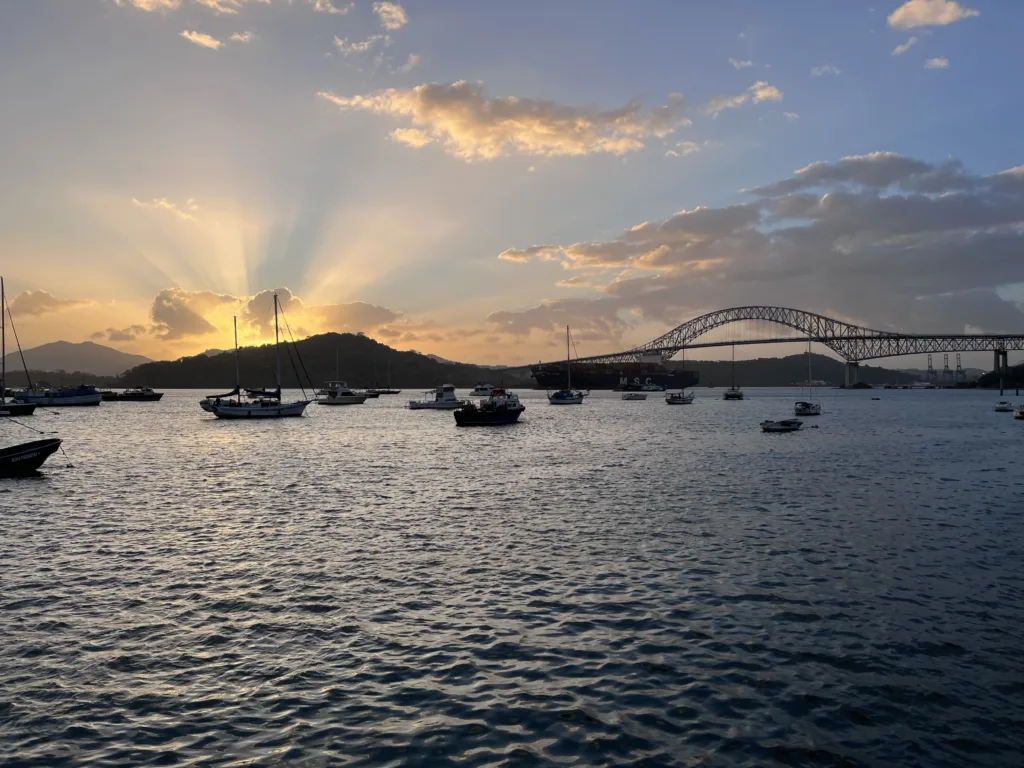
(277, 347)
(3, 343)
(568, 361)
(810, 386)
(337, 364)
(238, 375)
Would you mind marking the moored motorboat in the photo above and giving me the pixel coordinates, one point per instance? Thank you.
(785, 425)
(482, 389)
(83, 394)
(338, 393)
(1018, 412)
(1004, 406)
(634, 395)
(807, 409)
(25, 458)
(132, 394)
(439, 399)
(502, 407)
(679, 398)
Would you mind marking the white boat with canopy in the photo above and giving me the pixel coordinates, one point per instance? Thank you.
(439, 399)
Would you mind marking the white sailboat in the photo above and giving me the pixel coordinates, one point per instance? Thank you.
(567, 396)
(807, 408)
(258, 404)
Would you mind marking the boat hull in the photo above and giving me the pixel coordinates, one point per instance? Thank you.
(634, 396)
(17, 409)
(56, 402)
(598, 376)
(419, 406)
(578, 400)
(487, 419)
(120, 397)
(343, 400)
(679, 399)
(787, 425)
(27, 458)
(253, 411)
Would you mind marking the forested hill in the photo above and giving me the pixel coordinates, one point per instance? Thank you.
(361, 362)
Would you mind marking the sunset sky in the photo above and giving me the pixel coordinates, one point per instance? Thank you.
(465, 178)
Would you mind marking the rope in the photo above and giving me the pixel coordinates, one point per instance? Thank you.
(18, 342)
(298, 355)
(8, 419)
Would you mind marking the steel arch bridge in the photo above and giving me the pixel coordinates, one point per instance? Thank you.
(853, 343)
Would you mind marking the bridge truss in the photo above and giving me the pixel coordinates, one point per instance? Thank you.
(851, 342)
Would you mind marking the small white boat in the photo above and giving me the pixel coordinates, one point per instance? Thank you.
(807, 409)
(338, 393)
(482, 390)
(634, 395)
(785, 425)
(1004, 406)
(440, 399)
(679, 398)
(260, 408)
(567, 396)
(1018, 412)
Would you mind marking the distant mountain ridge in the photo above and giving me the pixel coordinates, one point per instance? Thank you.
(86, 356)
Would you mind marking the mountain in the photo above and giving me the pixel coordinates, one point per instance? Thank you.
(68, 356)
(361, 362)
(790, 370)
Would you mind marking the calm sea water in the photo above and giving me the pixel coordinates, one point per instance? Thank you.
(619, 583)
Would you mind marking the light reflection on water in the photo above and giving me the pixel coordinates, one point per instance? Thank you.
(607, 584)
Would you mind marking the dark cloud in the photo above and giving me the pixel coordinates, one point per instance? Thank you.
(881, 239)
(178, 313)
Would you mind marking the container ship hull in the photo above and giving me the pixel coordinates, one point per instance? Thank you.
(613, 376)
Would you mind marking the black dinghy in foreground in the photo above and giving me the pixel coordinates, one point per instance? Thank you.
(26, 458)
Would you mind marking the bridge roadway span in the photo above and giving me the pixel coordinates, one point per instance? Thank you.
(851, 342)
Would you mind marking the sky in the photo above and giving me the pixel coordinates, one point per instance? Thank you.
(465, 178)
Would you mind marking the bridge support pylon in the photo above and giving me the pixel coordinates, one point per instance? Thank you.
(1002, 363)
(852, 367)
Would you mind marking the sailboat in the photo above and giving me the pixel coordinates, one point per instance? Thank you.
(258, 403)
(807, 408)
(733, 392)
(567, 396)
(375, 390)
(6, 408)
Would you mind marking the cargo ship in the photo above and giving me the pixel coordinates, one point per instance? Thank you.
(646, 373)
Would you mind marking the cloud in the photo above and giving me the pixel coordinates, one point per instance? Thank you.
(360, 46)
(163, 204)
(243, 37)
(472, 127)
(411, 63)
(684, 148)
(881, 239)
(791, 116)
(229, 7)
(258, 313)
(758, 92)
(150, 5)
(737, 64)
(177, 313)
(928, 13)
(392, 15)
(326, 6)
(42, 303)
(825, 69)
(131, 333)
(937, 63)
(202, 39)
(899, 50)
